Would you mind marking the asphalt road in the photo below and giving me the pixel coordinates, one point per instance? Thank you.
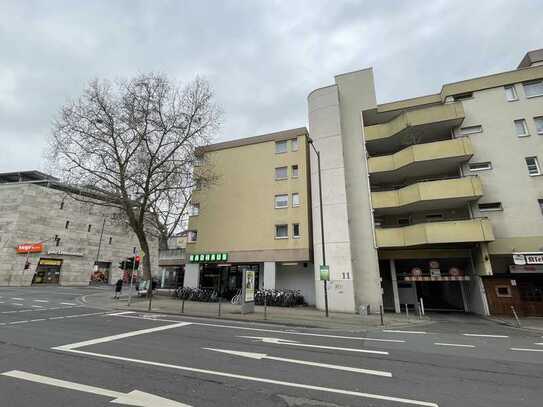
(57, 351)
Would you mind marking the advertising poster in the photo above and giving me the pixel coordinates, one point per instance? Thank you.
(249, 286)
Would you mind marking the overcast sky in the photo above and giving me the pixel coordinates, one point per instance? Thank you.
(262, 57)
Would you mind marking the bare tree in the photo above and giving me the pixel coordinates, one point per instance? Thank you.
(132, 145)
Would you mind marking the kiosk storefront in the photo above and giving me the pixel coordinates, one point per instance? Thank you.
(48, 271)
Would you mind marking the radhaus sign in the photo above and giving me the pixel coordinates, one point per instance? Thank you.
(208, 257)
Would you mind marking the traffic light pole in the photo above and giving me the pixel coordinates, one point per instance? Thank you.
(132, 277)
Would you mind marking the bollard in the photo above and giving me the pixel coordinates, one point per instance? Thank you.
(422, 306)
(406, 311)
(515, 315)
(183, 306)
(265, 306)
(381, 311)
(220, 301)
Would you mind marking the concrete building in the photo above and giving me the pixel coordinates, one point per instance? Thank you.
(256, 216)
(67, 242)
(430, 197)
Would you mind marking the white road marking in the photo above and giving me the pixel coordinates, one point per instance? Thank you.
(280, 341)
(37, 306)
(120, 336)
(56, 318)
(38, 320)
(487, 336)
(18, 322)
(459, 345)
(67, 303)
(133, 398)
(2, 302)
(41, 300)
(527, 350)
(17, 299)
(8, 312)
(125, 314)
(404, 332)
(17, 304)
(260, 356)
(261, 379)
(539, 343)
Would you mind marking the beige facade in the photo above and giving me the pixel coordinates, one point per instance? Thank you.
(436, 191)
(257, 210)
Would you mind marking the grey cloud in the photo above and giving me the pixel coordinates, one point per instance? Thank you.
(262, 57)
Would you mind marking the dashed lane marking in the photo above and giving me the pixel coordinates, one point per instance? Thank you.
(527, 350)
(38, 320)
(37, 306)
(26, 321)
(41, 300)
(17, 299)
(404, 332)
(67, 303)
(487, 336)
(40, 309)
(18, 322)
(459, 345)
(17, 304)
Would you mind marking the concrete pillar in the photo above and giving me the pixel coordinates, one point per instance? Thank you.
(269, 275)
(397, 309)
(192, 275)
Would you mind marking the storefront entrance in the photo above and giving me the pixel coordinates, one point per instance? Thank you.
(226, 279)
(523, 292)
(48, 272)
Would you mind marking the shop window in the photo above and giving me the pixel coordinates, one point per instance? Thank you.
(531, 292)
(503, 291)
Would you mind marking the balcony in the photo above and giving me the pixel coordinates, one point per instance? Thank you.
(422, 196)
(420, 160)
(423, 125)
(171, 257)
(459, 231)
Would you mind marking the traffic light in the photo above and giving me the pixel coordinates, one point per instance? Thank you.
(138, 259)
(122, 265)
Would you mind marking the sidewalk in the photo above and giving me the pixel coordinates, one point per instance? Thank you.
(531, 323)
(308, 317)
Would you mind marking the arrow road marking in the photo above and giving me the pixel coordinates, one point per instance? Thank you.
(280, 341)
(133, 398)
(260, 356)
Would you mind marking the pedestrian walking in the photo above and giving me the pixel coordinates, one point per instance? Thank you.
(118, 288)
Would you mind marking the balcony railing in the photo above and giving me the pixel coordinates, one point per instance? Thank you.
(455, 190)
(456, 231)
(440, 116)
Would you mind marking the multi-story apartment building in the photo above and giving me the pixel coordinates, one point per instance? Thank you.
(59, 239)
(255, 215)
(431, 197)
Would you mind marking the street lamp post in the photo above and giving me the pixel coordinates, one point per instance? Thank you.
(317, 152)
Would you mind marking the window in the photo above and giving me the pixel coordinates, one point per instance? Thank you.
(295, 199)
(533, 89)
(540, 202)
(463, 96)
(503, 291)
(62, 205)
(521, 128)
(281, 201)
(110, 240)
(197, 185)
(281, 147)
(490, 207)
(533, 166)
(487, 165)
(57, 240)
(192, 236)
(471, 130)
(403, 221)
(89, 228)
(281, 173)
(296, 230)
(511, 93)
(281, 231)
(539, 124)
(294, 144)
(434, 217)
(67, 225)
(194, 209)
(295, 171)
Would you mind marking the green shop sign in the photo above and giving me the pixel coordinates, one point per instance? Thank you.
(208, 257)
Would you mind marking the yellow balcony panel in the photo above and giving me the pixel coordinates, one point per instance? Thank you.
(420, 160)
(421, 196)
(459, 231)
(424, 120)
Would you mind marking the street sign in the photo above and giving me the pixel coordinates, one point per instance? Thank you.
(325, 273)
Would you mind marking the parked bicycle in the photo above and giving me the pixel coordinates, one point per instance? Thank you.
(279, 297)
(197, 294)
